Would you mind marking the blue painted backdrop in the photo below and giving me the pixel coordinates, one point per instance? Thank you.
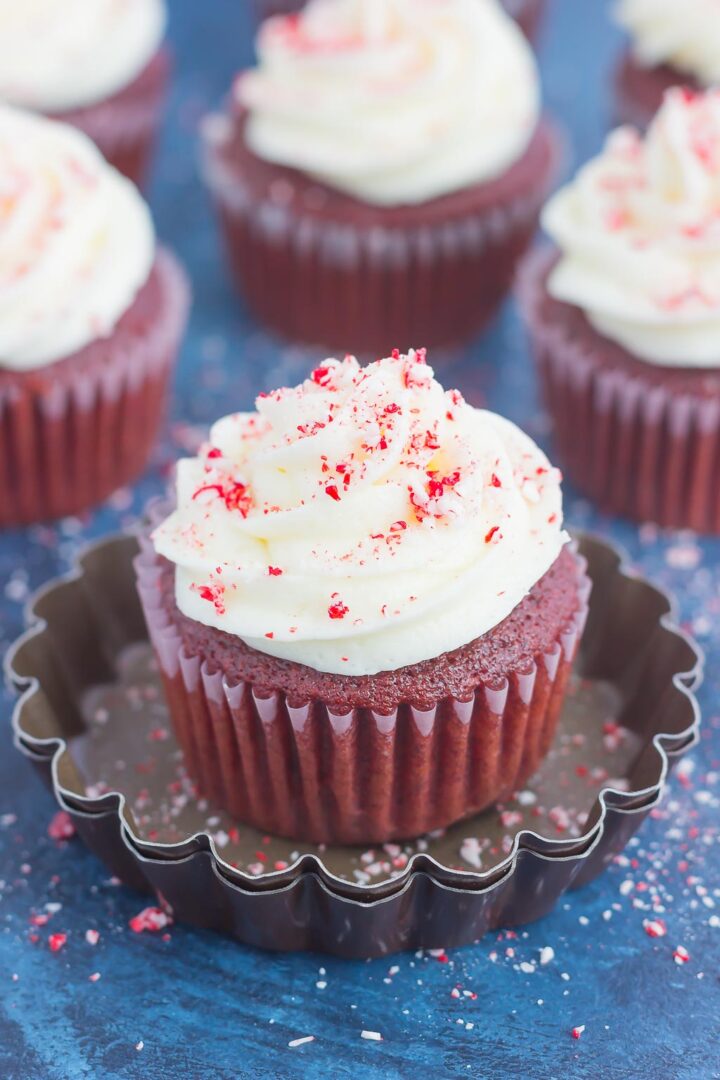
(195, 1005)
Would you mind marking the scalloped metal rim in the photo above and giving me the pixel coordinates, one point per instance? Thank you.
(666, 745)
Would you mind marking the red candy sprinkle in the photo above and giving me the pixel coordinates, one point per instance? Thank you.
(151, 919)
(61, 826)
(57, 942)
(338, 610)
(214, 595)
(238, 498)
(655, 928)
(234, 494)
(489, 536)
(322, 375)
(274, 571)
(333, 492)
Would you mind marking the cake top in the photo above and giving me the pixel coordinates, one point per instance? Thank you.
(76, 241)
(57, 55)
(362, 521)
(392, 101)
(685, 34)
(639, 235)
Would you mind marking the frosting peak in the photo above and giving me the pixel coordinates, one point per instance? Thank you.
(393, 101)
(57, 55)
(362, 521)
(639, 235)
(76, 241)
(682, 33)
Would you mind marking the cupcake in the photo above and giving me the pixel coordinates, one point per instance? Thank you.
(527, 13)
(625, 318)
(382, 170)
(96, 64)
(673, 43)
(91, 315)
(363, 606)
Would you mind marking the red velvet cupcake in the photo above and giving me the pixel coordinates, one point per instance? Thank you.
(363, 607)
(91, 317)
(359, 210)
(625, 319)
(527, 13)
(672, 44)
(96, 64)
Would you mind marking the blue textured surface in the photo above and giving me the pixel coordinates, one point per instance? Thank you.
(196, 1005)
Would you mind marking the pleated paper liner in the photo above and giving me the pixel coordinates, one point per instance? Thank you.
(639, 440)
(126, 126)
(92, 702)
(319, 267)
(74, 432)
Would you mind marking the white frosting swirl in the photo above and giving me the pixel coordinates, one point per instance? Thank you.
(57, 55)
(393, 101)
(682, 33)
(639, 236)
(362, 521)
(76, 241)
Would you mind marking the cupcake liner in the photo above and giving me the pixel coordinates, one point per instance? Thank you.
(305, 769)
(639, 91)
(636, 446)
(73, 433)
(362, 280)
(125, 126)
(528, 13)
(636, 668)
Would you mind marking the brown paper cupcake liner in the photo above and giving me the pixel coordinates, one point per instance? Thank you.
(308, 770)
(640, 670)
(637, 446)
(68, 441)
(527, 13)
(364, 280)
(125, 127)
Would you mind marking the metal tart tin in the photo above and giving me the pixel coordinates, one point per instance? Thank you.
(92, 719)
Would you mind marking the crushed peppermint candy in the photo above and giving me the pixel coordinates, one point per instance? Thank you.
(57, 942)
(151, 919)
(61, 827)
(654, 928)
